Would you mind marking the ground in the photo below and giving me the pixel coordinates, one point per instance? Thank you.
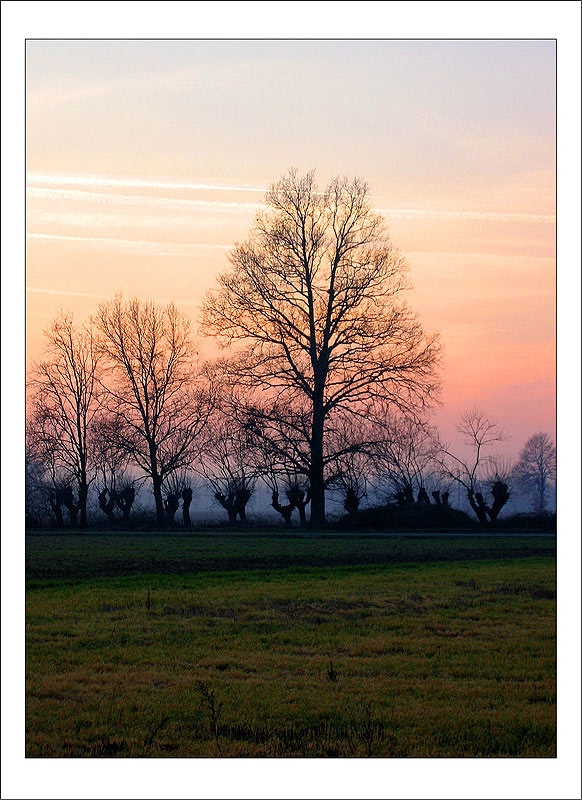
(277, 644)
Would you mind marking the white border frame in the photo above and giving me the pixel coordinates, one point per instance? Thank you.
(435, 778)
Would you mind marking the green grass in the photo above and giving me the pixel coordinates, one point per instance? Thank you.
(73, 556)
(378, 646)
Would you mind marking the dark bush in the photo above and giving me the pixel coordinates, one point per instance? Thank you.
(545, 523)
(394, 517)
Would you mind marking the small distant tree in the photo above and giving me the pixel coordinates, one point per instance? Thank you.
(125, 495)
(352, 480)
(227, 465)
(186, 495)
(64, 403)
(38, 487)
(404, 457)
(179, 487)
(298, 493)
(536, 469)
(284, 509)
(479, 470)
(115, 487)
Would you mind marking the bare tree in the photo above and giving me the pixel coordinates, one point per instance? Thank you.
(179, 486)
(152, 387)
(352, 478)
(38, 487)
(64, 405)
(228, 465)
(112, 462)
(271, 478)
(298, 493)
(499, 481)
(536, 468)
(281, 437)
(479, 433)
(404, 456)
(312, 299)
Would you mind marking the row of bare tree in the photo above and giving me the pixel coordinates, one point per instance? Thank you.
(328, 381)
(116, 416)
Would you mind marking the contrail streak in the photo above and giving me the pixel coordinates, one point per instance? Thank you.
(38, 181)
(496, 216)
(159, 248)
(149, 201)
(65, 293)
(44, 179)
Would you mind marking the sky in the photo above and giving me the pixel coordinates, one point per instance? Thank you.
(146, 162)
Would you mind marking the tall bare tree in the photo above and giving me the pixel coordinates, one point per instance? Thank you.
(312, 297)
(64, 404)
(152, 387)
(536, 468)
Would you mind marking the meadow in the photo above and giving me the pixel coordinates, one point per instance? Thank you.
(263, 644)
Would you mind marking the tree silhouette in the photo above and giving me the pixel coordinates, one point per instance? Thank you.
(178, 486)
(536, 468)
(228, 466)
(112, 463)
(352, 479)
(125, 498)
(404, 455)
(152, 389)
(186, 495)
(479, 433)
(312, 299)
(64, 405)
(286, 511)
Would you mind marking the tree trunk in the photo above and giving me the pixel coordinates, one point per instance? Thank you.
(423, 498)
(186, 500)
(478, 507)
(157, 487)
(285, 511)
(107, 505)
(241, 499)
(316, 473)
(228, 504)
(83, 492)
(171, 506)
(351, 501)
(501, 495)
(542, 502)
(125, 501)
(56, 507)
(156, 484)
(302, 516)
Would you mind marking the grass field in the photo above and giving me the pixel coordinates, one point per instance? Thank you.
(287, 645)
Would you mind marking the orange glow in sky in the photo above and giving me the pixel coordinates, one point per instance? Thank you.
(147, 160)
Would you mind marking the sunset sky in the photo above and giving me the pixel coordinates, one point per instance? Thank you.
(147, 160)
